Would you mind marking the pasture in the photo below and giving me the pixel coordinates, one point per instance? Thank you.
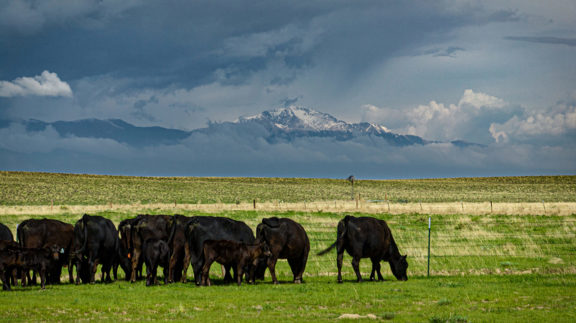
(484, 267)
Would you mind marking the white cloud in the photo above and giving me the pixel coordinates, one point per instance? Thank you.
(479, 100)
(558, 121)
(470, 119)
(46, 84)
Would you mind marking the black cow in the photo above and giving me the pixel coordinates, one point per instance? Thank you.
(46, 233)
(37, 259)
(202, 228)
(96, 240)
(40, 260)
(367, 237)
(156, 253)
(180, 253)
(144, 228)
(5, 233)
(232, 253)
(287, 240)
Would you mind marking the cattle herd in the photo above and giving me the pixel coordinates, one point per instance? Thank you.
(174, 242)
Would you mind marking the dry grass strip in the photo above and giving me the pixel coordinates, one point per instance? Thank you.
(470, 208)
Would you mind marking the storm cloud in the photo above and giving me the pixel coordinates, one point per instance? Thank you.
(489, 72)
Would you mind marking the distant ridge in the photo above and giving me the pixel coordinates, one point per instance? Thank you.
(283, 125)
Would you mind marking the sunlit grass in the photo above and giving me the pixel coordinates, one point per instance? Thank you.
(20, 188)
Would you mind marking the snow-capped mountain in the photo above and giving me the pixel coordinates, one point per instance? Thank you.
(301, 119)
(285, 125)
(298, 119)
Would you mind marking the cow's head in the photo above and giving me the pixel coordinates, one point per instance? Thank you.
(55, 252)
(265, 250)
(399, 266)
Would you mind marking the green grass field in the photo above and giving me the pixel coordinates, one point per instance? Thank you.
(490, 267)
(18, 188)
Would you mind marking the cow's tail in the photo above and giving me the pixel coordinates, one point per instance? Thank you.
(323, 252)
(85, 228)
(342, 228)
(19, 235)
(172, 230)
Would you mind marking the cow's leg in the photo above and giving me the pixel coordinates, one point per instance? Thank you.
(339, 259)
(42, 277)
(197, 267)
(272, 267)
(5, 279)
(206, 273)
(93, 268)
(78, 271)
(106, 268)
(115, 270)
(380, 278)
(155, 272)
(296, 267)
(356, 266)
(30, 280)
(136, 266)
(148, 274)
(70, 271)
(186, 263)
(376, 269)
(165, 272)
(140, 269)
(172, 264)
(33, 281)
(227, 276)
(14, 277)
(239, 273)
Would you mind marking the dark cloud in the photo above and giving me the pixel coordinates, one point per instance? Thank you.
(179, 64)
(546, 40)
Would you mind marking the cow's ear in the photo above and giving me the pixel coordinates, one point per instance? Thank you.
(404, 257)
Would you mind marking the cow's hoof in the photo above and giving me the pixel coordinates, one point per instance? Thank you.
(297, 281)
(339, 281)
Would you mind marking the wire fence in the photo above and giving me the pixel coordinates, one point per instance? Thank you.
(460, 245)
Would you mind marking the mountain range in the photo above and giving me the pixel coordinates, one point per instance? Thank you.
(283, 125)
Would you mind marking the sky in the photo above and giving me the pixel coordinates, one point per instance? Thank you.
(499, 73)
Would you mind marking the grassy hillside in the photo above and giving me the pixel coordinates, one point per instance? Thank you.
(20, 188)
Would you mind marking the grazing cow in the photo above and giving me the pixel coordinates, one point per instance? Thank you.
(367, 237)
(180, 253)
(96, 240)
(287, 240)
(202, 228)
(232, 253)
(155, 252)
(39, 260)
(5, 233)
(43, 233)
(144, 228)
